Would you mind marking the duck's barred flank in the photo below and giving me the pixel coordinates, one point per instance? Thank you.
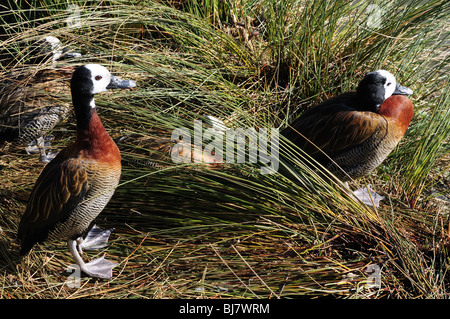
(100, 191)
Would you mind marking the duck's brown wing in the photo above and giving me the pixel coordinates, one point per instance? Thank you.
(332, 129)
(61, 186)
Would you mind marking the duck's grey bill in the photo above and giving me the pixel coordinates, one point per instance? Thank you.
(402, 90)
(118, 83)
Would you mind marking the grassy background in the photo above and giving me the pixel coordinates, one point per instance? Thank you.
(199, 231)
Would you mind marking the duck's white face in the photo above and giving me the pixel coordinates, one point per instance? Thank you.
(390, 84)
(55, 46)
(100, 78)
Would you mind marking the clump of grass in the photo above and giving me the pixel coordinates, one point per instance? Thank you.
(194, 230)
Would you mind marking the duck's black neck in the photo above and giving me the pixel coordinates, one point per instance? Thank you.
(83, 109)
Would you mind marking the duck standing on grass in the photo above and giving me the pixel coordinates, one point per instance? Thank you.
(78, 183)
(352, 133)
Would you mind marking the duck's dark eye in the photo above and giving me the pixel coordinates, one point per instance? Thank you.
(98, 77)
(389, 83)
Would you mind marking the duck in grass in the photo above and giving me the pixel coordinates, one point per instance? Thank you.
(78, 183)
(30, 98)
(49, 49)
(352, 133)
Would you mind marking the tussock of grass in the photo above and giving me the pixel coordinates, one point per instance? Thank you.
(205, 231)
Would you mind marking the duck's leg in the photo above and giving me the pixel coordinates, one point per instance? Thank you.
(32, 147)
(43, 143)
(38, 146)
(99, 268)
(96, 239)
